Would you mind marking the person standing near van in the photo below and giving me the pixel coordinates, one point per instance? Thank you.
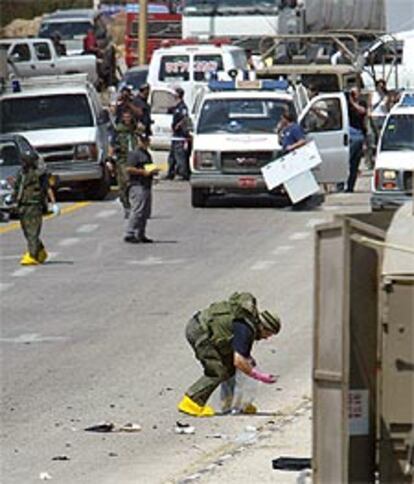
(178, 159)
(142, 109)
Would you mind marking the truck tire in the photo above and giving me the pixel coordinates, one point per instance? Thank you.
(199, 197)
(98, 190)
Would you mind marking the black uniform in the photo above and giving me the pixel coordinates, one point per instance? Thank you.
(179, 152)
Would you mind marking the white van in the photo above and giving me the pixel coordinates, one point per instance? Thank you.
(190, 66)
(390, 58)
(392, 182)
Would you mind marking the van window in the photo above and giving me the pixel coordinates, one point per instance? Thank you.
(324, 115)
(42, 51)
(204, 64)
(398, 134)
(162, 101)
(9, 154)
(175, 68)
(20, 53)
(67, 30)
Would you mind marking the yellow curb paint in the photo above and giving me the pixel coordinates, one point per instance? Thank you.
(71, 208)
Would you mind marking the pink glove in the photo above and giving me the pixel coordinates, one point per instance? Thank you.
(263, 377)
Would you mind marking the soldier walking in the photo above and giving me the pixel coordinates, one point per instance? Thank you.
(222, 337)
(31, 193)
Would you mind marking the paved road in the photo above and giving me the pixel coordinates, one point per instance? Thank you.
(96, 334)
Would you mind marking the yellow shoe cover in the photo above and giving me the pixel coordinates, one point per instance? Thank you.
(42, 256)
(190, 407)
(250, 409)
(28, 260)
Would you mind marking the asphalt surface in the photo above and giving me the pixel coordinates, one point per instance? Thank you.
(97, 334)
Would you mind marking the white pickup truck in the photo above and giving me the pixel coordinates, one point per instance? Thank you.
(32, 57)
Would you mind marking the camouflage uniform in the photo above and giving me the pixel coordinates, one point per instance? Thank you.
(31, 196)
(210, 334)
(124, 142)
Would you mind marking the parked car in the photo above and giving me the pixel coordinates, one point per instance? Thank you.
(34, 57)
(12, 149)
(134, 78)
(73, 25)
(235, 136)
(392, 182)
(63, 118)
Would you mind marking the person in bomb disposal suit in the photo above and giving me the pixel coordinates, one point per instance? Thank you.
(222, 337)
(31, 193)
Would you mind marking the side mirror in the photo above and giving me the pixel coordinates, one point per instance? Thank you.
(103, 117)
(15, 57)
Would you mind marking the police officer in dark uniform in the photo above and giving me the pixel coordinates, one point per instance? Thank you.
(222, 337)
(141, 170)
(179, 152)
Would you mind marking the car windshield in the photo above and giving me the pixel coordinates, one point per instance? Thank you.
(399, 133)
(9, 153)
(233, 7)
(246, 115)
(67, 30)
(45, 112)
(135, 79)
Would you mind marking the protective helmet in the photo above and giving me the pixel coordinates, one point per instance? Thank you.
(270, 321)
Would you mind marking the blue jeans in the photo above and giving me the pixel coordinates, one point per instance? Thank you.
(355, 155)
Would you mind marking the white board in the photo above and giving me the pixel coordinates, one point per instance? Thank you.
(301, 186)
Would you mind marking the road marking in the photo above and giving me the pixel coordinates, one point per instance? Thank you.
(10, 257)
(5, 285)
(313, 222)
(282, 249)
(23, 271)
(87, 228)
(155, 261)
(64, 211)
(262, 265)
(299, 236)
(69, 242)
(106, 213)
(32, 338)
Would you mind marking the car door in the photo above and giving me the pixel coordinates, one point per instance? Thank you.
(325, 121)
(44, 58)
(22, 57)
(161, 100)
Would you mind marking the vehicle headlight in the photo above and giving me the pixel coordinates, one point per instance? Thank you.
(389, 175)
(5, 185)
(205, 160)
(86, 151)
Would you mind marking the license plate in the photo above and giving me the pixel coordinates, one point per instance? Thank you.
(247, 182)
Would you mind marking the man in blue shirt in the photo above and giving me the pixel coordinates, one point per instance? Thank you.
(291, 133)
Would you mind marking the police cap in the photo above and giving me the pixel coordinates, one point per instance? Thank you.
(270, 321)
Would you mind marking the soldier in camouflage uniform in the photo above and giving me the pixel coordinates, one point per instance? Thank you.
(31, 192)
(222, 336)
(125, 140)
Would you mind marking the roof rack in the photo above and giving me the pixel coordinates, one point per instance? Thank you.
(256, 85)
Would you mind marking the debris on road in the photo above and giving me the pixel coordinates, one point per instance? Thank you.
(216, 436)
(61, 457)
(291, 463)
(101, 427)
(184, 428)
(45, 476)
(113, 454)
(130, 427)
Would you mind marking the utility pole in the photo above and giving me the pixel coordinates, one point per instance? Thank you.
(143, 33)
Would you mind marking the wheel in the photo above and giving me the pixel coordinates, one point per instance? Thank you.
(199, 197)
(99, 190)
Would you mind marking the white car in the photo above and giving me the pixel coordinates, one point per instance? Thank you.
(235, 136)
(392, 182)
(63, 119)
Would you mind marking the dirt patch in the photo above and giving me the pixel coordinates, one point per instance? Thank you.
(21, 28)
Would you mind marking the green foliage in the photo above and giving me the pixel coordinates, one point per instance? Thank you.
(27, 9)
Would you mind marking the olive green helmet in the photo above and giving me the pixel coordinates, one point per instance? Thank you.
(270, 321)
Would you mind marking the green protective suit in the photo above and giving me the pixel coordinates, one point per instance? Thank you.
(125, 141)
(30, 192)
(210, 333)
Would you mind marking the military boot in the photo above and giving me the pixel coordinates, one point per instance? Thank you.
(42, 255)
(28, 260)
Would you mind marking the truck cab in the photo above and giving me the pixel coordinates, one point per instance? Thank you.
(235, 136)
(392, 181)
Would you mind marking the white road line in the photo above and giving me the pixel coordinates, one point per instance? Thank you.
(262, 265)
(299, 236)
(106, 213)
(23, 271)
(5, 285)
(282, 249)
(87, 228)
(32, 338)
(313, 222)
(68, 242)
(155, 261)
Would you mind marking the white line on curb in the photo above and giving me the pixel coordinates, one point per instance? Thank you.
(68, 242)
(299, 236)
(23, 271)
(262, 265)
(282, 249)
(87, 228)
(106, 213)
